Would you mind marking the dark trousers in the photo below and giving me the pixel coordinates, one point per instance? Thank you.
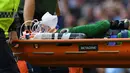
(7, 62)
(59, 69)
(37, 69)
(89, 70)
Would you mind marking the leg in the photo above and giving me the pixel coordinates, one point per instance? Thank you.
(7, 62)
(59, 69)
(97, 29)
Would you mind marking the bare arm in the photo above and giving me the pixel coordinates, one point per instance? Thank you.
(29, 9)
(57, 9)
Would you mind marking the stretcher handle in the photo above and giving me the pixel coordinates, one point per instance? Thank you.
(75, 52)
(117, 51)
(45, 53)
(17, 53)
(74, 40)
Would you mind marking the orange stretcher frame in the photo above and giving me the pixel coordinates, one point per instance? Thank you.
(69, 53)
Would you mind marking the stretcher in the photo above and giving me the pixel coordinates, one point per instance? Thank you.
(74, 52)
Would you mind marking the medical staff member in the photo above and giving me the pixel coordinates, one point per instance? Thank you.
(8, 9)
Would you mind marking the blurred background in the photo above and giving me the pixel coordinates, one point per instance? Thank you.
(89, 11)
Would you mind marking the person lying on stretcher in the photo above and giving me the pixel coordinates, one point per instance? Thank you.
(97, 29)
(94, 30)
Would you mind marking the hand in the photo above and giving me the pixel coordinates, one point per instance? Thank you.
(52, 30)
(28, 23)
(13, 36)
